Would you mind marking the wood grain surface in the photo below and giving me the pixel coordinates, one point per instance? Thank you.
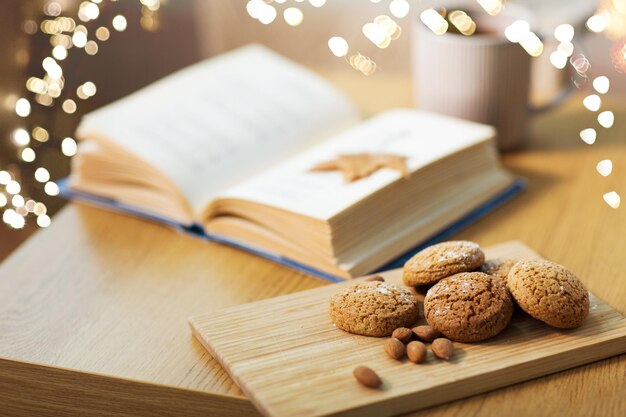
(104, 294)
(292, 361)
(28, 390)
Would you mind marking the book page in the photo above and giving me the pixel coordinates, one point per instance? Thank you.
(421, 137)
(220, 121)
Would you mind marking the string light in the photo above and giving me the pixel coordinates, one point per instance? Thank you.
(253, 7)
(102, 34)
(42, 175)
(564, 33)
(20, 137)
(88, 11)
(13, 187)
(493, 7)
(28, 155)
(389, 26)
(338, 46)
(615, 14)
(581, 64)
(89, 88)
(5, 177)
(601, 84)
(39, 209)
(40, 134)
(263, 12)
(604, 167)
(596, 23)
(52, 8)
(7, 216)
(43, 221)
(44, 99)
(59, 52)
(36, 85)
(376, 34)
(532, 44)
(267, 15)
(69, 147)
(399, 8)
(362, 63)
(592, 102)
(17, 201)
(51, 188)
(13, 219)
(588, 135)
(462, 22)
(434, 21)
(81, 94)
(79, 39)
(55, 72)
(119, 23)
(91, 48)
(317, 3)
(516, 31)
(29, 27)
(54, 88)
(29, 205)
(293, 16)
(22, 107)
(558, 59)
(151, 4)
(612, 199)
(566, 48)
(606, 119)
(64, 34)
(69, 106)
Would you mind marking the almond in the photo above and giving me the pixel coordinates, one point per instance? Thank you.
(442, 348)
(416, 351)
(403, 334)
(366, 376)
(375, 278)
(426, 333)
(395, 348)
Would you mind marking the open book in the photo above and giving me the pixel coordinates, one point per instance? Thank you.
(225, 148)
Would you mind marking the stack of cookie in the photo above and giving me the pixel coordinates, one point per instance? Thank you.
(473, 300)
(470, 299)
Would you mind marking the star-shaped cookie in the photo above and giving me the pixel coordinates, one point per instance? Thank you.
(362, 165)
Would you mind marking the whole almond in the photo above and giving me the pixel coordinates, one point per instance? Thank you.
(442, 348)
(403, 334)
(366, 376)
(395, 348)
(416, 351)
(426, 333)
(375, 278)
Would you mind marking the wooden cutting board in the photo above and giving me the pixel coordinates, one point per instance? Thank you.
(291, 361)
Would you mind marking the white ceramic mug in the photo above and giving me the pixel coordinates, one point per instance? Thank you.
(483, 77)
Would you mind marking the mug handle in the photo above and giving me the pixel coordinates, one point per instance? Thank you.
(558, 99)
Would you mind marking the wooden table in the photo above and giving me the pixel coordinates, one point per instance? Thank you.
(93, 310)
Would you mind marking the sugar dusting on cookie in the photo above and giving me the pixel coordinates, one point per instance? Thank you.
(442, 260)
(373, 308)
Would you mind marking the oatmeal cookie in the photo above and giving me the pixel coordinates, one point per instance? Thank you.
(468, 307)
(373, 308)
(549, 292)
(442, 260)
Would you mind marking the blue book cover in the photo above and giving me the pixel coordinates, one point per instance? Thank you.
(198, 231)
